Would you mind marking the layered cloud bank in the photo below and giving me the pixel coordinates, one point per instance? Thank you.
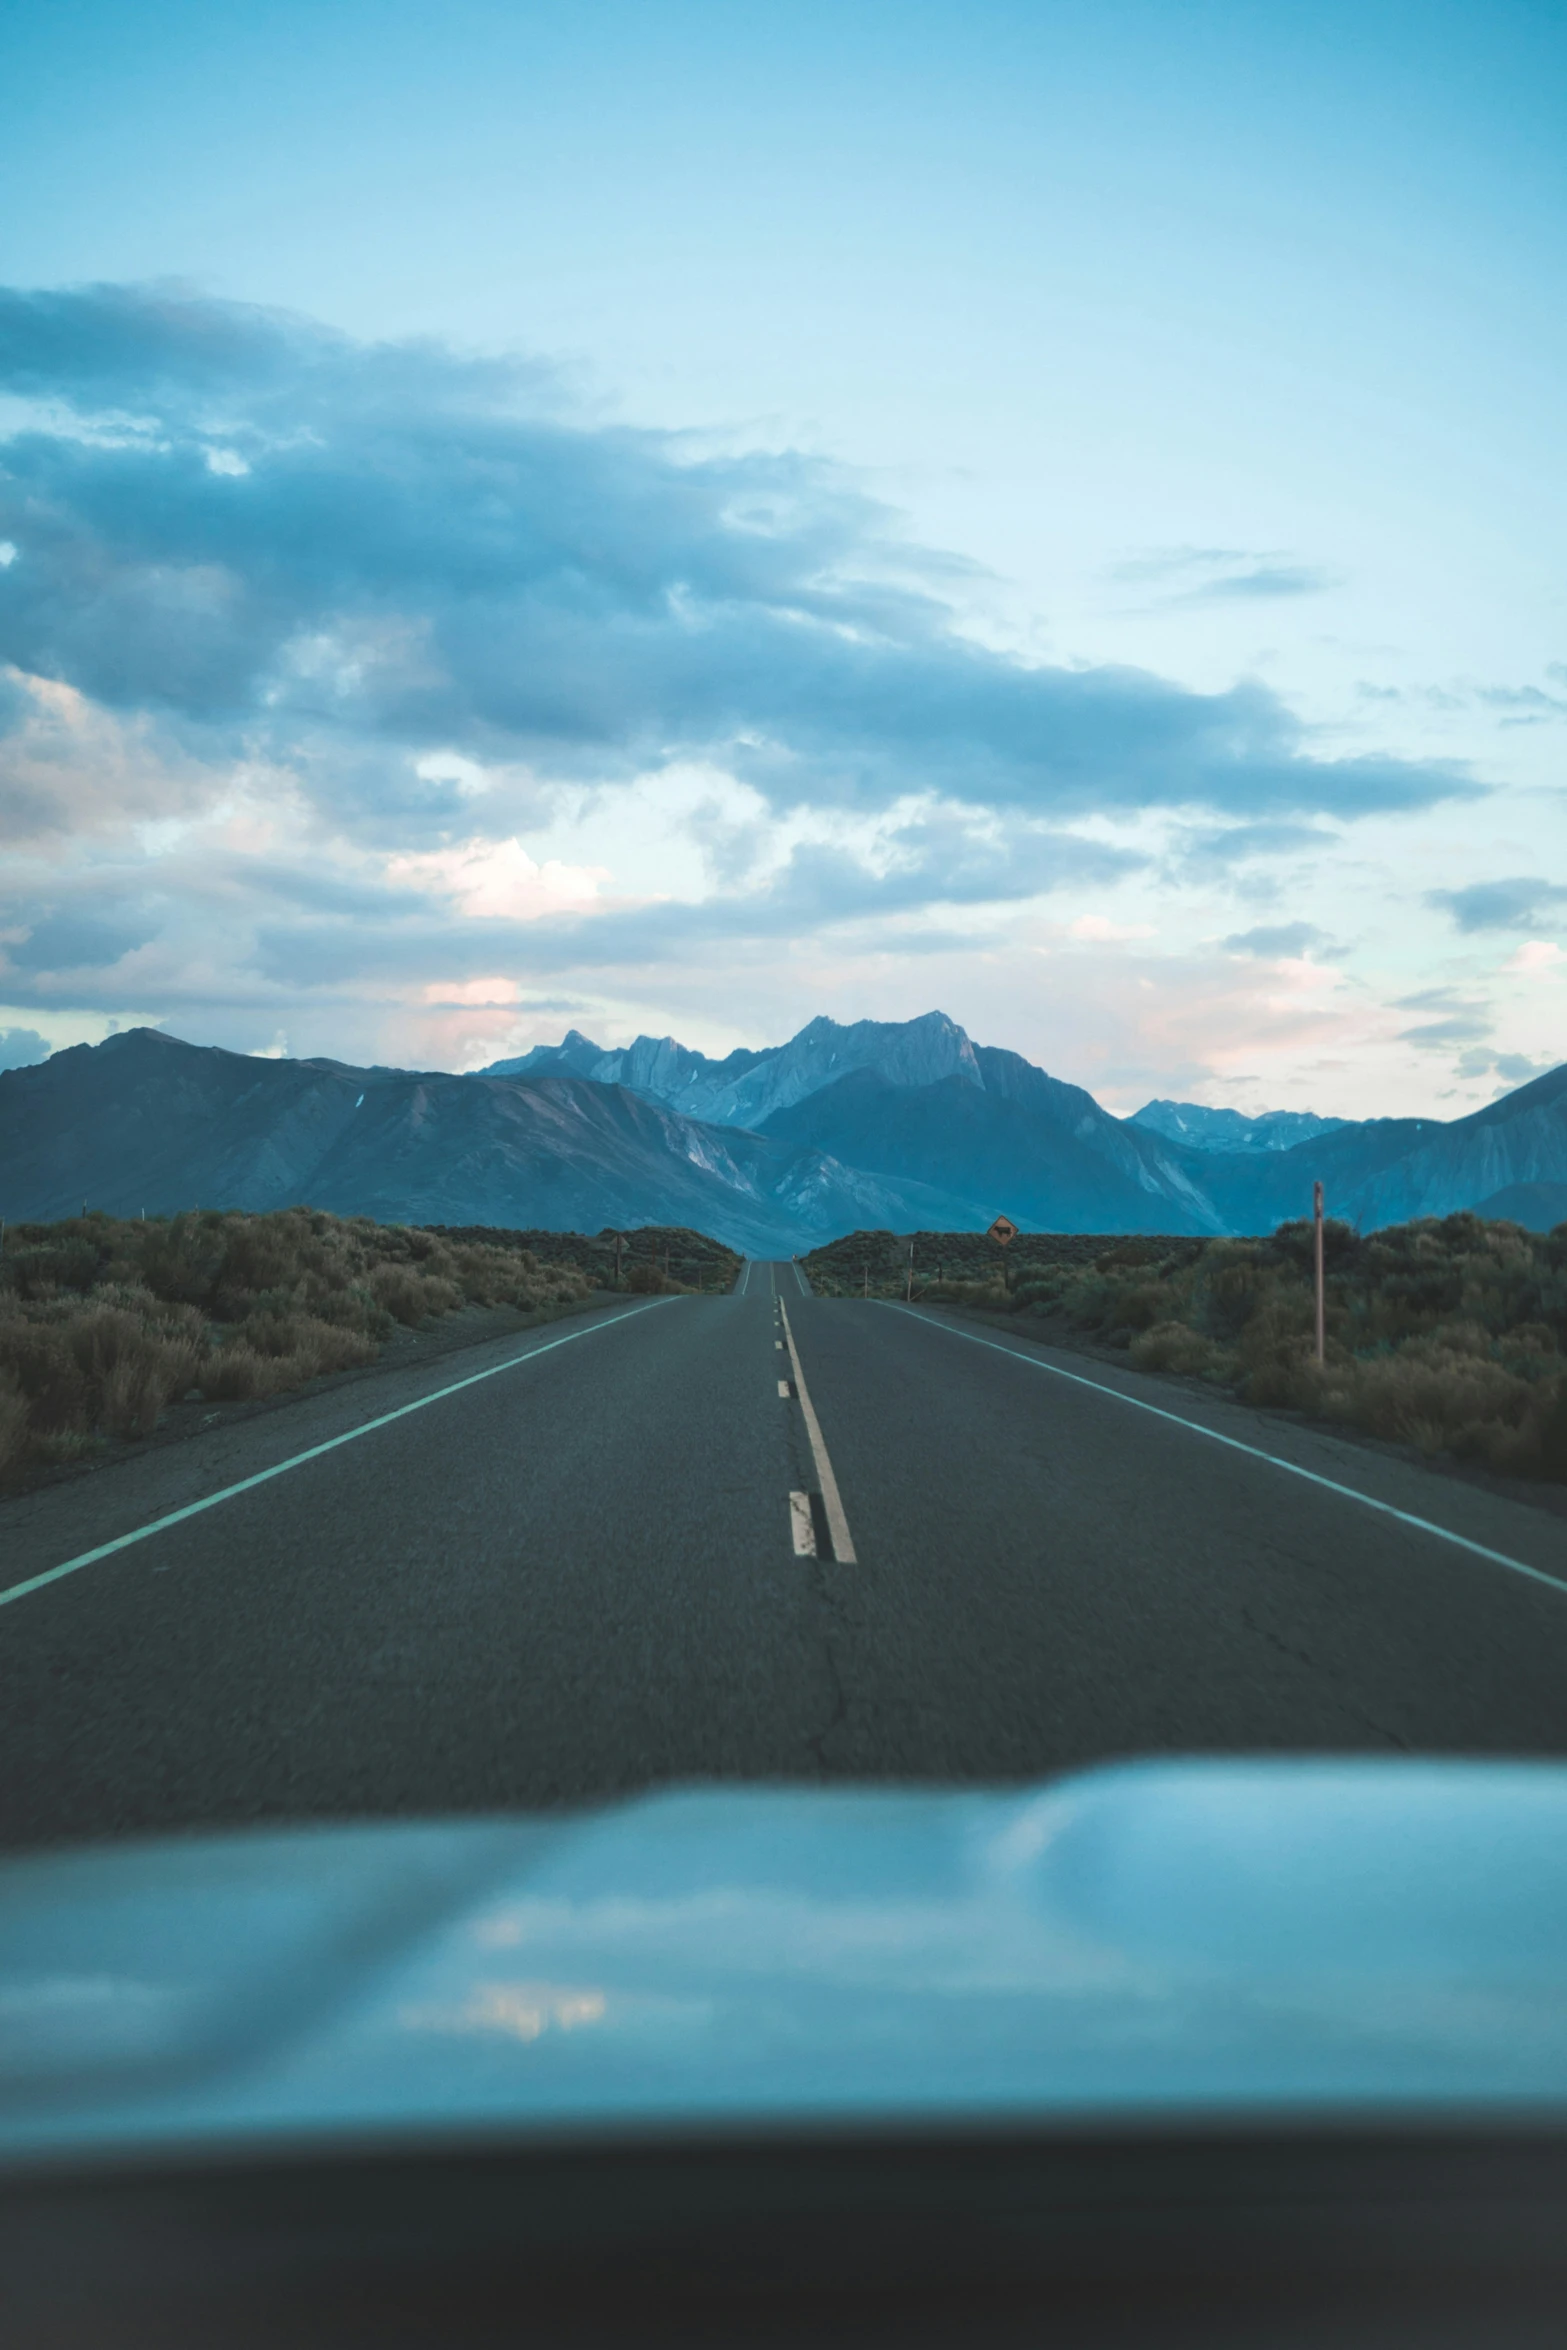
(377, 694)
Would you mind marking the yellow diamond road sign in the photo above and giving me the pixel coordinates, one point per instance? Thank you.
(1003, 1230)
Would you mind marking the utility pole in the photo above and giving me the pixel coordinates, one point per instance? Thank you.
(1322, 1306)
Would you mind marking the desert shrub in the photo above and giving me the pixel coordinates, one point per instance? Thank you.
(333, 1348)
(13, 1420)
(183, 1260)
(411, 1297)
(134, 1390)
(132, 1365)
(237, 1374)
(355, 1308)
(262, 1253)
(1234, 1282)
(1131, 1255)
(1175, 1346)
(1550, 1430)
(270, 1352)
(990, 1294)
(268, 1332)
(1137, 1304)
(39, 1356)
(104, 1322)
(63, 1444)
(40, 1269)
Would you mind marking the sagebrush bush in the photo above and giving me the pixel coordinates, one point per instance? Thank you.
(104, 1323)
(13, 1420)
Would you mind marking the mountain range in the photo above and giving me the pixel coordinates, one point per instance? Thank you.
(907, 1125)
(1228, 1130)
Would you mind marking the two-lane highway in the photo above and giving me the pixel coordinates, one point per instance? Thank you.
(762, 1536)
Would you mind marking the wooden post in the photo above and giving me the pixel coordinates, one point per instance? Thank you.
(908, 1294)
(1322, 1305)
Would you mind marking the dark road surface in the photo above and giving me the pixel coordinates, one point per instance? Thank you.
(584, 1574)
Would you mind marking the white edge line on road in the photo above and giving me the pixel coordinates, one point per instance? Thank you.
(805, 1287)
(745, 1279)
(1498, 1558)
(193, 1509)
(837, 1523)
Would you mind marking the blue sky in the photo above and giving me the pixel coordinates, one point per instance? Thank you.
(683, 518)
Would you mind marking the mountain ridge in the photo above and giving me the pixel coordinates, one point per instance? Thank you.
(875, 1124)
(1229, 1130)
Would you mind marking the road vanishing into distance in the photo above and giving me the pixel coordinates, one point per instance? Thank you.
(764, 1536)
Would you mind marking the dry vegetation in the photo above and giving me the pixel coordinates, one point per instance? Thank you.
(654, 1260)
(103, 1323)
(1447, 1334)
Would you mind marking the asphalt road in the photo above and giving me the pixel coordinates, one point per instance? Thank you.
(582, 1572)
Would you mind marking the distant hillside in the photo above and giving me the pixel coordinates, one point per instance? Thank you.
(1008, 1134)
(885, 1125)
(146, 1121)
(918, 1100)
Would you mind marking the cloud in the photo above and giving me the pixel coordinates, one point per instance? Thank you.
(1537, 958)
(1525, 705)
(1287, 940)
(1460, 1020)
(1212, 852)
(263, 930)
(1206, 575)
(1521, 903)
(1459, 1028)
(20, 1048)
(69, 940)
(1512, 1068)
(276, 542)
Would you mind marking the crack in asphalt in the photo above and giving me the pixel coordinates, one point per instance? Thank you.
(1304, 1657)
(1301, 1656)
